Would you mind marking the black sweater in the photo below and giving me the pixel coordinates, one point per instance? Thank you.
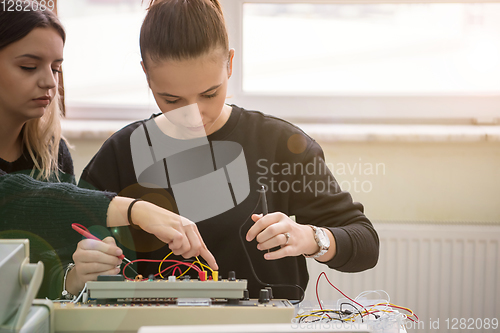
(278, 155)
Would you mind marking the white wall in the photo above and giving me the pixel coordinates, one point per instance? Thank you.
(410, 181)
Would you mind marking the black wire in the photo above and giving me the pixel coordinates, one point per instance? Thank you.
(278, 285)
(355, 308)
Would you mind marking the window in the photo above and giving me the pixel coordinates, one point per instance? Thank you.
(103, 77)
(359, 49)
(330, 60)
(369, 61)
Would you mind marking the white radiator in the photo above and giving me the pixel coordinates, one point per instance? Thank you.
(446, 272)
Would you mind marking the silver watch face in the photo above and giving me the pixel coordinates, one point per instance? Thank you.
(322, 239)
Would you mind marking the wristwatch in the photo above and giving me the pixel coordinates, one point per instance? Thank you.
(322, 240)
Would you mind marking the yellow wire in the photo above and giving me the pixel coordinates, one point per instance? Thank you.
(309, 315)
(185, 271)
(398, 306)
(159, 267)
(203, 265)
(208, 267)
(197, 261)
(315, 315)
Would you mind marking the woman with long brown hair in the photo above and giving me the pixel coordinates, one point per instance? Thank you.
(34, 159)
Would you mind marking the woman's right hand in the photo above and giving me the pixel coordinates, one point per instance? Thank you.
(181, 234)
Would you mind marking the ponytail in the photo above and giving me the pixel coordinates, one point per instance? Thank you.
(182, 29)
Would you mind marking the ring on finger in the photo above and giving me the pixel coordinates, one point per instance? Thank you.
(287, 235)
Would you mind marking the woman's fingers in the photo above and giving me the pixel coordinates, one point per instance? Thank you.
(93, 258)
(268, 226)
(278, 240)
(180, 244)
(192, 245)
(181, 234)
(89, 250)
(278, 230)
(209, 258)
(107, 246)
(261, 223)
(194, 242)
(198, 246)
(285, 251)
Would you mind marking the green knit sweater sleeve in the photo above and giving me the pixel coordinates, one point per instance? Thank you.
(43, 213)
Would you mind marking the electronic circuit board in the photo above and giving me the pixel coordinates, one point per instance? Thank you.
(125, 306)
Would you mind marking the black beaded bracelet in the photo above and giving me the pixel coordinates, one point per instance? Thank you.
(129, 213)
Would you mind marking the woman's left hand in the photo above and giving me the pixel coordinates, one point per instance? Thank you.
(277, 229)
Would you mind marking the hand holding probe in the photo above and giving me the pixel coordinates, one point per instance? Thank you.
(85, 233)
(265, 211)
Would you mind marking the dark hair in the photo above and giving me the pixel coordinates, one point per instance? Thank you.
(15, 25)
(182, 29)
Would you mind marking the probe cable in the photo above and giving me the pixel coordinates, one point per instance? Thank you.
(278, 285)
(362, 314)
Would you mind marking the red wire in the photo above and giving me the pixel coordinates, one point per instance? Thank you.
(317, 295)
(367, 313)
(176, 268)
(405, 309)
(151, 260)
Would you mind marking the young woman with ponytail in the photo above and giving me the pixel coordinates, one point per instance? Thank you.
(187, 62)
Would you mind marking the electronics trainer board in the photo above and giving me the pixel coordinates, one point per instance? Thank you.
(125, 306)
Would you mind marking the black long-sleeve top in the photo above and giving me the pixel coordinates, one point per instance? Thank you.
(279, 156)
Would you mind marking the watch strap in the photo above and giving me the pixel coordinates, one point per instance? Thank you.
(322, 248)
